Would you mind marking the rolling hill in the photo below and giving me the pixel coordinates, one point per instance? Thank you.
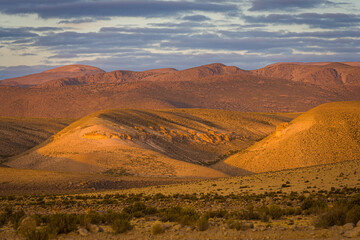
(326, 134)
(180, 143)
(75, 70)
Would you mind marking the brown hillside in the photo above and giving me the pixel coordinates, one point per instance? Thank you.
(230, 92)
(214, 86)
(56, 73)
(326, 75)
(21, 134)
(326, 134)
(149, 143)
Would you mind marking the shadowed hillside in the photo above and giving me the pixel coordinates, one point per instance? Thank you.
(150, 143)
(21, 134)
(326, 134)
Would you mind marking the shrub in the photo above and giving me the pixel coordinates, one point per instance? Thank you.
(187, 216)
(95, 217)
(3, 219)
(311, 206)
(275, 212)
(139, 209)
(36, 234)
(111, 216)
(202, 223)
(249, 214)
(334, 216)
(234, 224)
(221, 213)
(62, 223)
(353, 215)
(16, 217)
(264, 217)
(157, 228)
(238, 225)
(121, 225)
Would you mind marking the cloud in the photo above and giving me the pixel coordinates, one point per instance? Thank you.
(325, 20)
(148, 30)
(102, 39)
(43, 29)
(64, 55)
(137, 8)
(196, 18)
(83, 20)
(27, 54)
(269, 5)
(13, 33)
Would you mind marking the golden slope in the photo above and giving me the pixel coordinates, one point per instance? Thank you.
(326, 134)
(150, 143)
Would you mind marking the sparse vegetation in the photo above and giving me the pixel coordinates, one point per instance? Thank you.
(202, 223)
(121, 225)
(157, 228)
(170, 209)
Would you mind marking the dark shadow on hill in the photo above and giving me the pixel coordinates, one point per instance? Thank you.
(230, 170)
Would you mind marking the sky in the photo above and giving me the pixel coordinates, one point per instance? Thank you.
(37, 35)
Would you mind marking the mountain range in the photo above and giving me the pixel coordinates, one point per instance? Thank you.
(77, 90)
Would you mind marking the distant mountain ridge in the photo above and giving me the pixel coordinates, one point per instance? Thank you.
(75, 70)
(285, 87)
(324, 74)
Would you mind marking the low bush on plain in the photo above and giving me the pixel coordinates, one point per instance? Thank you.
(157, 228)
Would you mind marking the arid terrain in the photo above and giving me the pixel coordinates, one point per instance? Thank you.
(211, 152)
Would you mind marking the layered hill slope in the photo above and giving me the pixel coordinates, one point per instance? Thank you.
(56, 73)
(328, 75)
(20, 134)
(149, 143)
(326, 134)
